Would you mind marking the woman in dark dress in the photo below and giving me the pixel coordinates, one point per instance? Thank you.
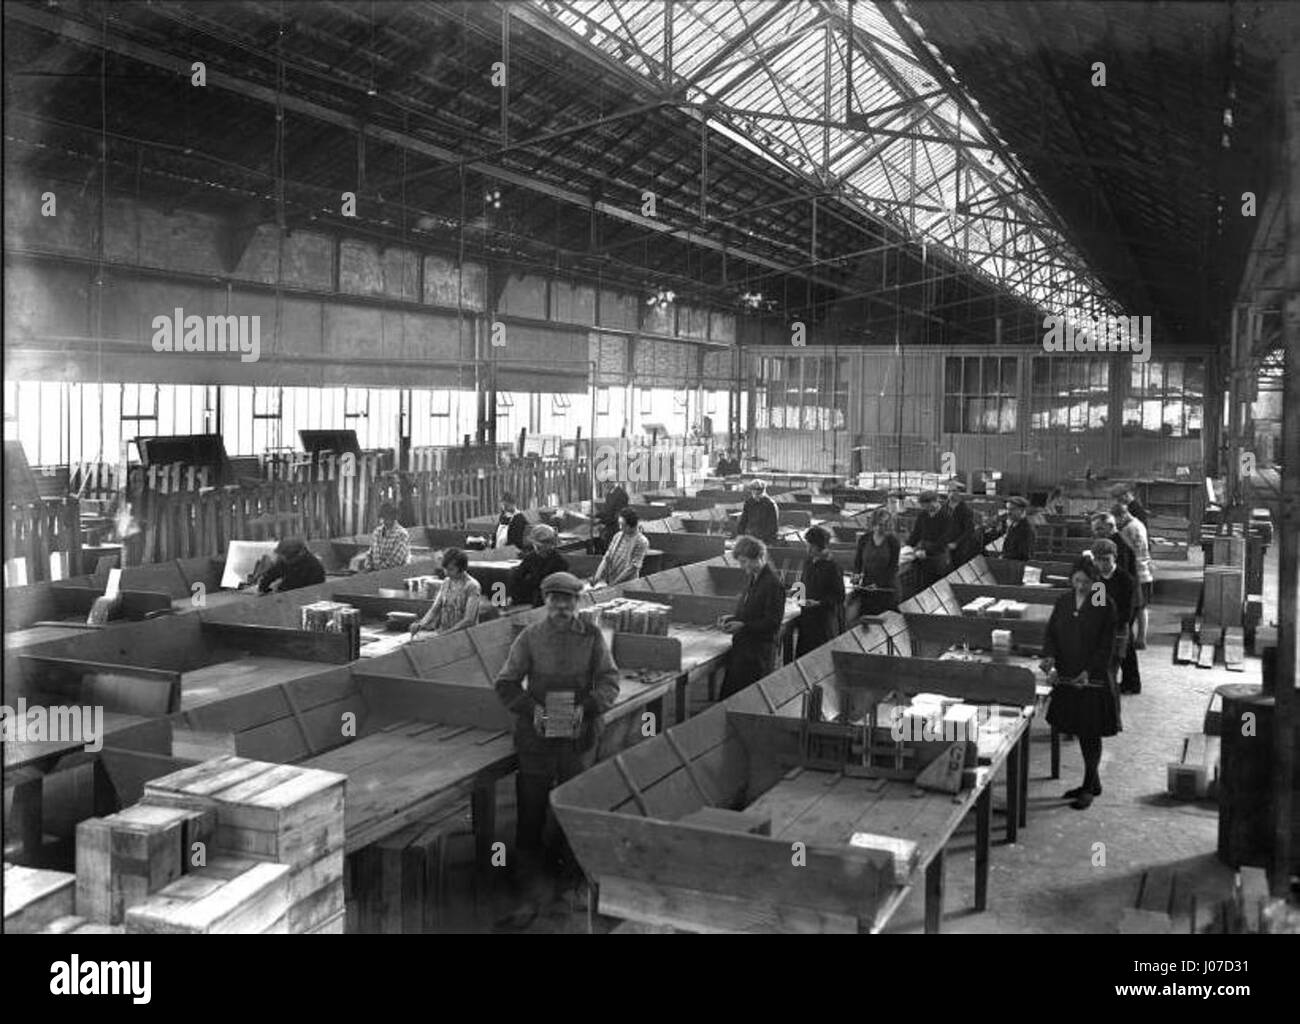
(822, 617)
(1076, 656)
(757, 619)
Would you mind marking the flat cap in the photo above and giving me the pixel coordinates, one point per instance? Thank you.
(1018, 502)
(543, 533)
(562, 583)
(929, 496)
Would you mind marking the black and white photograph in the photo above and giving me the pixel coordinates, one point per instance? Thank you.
(585, 467)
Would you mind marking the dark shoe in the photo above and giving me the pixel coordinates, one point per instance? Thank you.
(1082, 802)
(1095, 789)
(1071, 794)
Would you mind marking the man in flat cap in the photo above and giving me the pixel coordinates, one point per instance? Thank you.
(1123, 495)
(759, 516)
(539, 561)
(1019, 543)
(568, 659)
(295, 567)
(929, 539)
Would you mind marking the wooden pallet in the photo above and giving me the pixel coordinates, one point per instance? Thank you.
(1233, 649)
(1185, 652)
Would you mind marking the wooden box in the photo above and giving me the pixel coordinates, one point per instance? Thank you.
(1222, 596)
(279, 813)
(122, 858)
(34, 897)
(232, 895)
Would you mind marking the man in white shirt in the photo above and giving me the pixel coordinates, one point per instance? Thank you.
(1135, 534)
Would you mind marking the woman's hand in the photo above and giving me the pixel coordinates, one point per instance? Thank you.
(734, 626)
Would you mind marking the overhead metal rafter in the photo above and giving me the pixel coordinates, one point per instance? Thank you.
(784, 98)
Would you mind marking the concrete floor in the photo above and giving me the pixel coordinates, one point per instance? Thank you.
(1071, 871)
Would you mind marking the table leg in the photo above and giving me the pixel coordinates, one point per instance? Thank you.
(1013, 793)
(680, 695)
(934, 895)
(483, 808)
(1022, 798)
(1056, 753)
(28, 817)
(983, 823)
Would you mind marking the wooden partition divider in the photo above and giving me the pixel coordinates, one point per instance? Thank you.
(280, 641)
(36, 529)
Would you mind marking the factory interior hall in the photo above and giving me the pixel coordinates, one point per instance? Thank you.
(628, 467)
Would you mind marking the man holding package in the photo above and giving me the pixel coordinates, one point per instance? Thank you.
(571, 680)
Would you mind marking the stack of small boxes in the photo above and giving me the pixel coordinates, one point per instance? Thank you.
(333, 617)
(625, 615)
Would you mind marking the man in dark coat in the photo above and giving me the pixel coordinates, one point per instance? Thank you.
(1019, 543)
(540, 560)
(1122, 589)
(295, 567)
(964, 543)
(759, 516)
(756, 621)
(557, 654)
(929, 539)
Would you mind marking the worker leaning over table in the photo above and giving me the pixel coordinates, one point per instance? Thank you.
(559, 652)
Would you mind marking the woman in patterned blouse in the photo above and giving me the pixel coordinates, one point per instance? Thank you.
(457, 605)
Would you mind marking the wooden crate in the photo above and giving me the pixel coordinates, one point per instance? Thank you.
(122, 858)
(34, 897)
(232, 895)
(279, 813)
(1222, 595)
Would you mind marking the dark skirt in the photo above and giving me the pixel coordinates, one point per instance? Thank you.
(817, 626)
(747, 663)
(1085, 711)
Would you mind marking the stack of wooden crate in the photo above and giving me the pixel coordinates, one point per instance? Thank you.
(230, 845)
(272, 813)
(123, 858)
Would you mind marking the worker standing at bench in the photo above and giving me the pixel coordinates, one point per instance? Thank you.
(759, 516)
(390, 544)
(929, 539)
(540, 561)
(295, 567)
(756, 621)
(1019, 531)
(626, 553)
(963, 541)
(559, 653)
(821, 617)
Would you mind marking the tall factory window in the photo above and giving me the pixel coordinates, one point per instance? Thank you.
(1070, 396)
(979, 395)
(1165, 399)
(267, 411)
(803, 393)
